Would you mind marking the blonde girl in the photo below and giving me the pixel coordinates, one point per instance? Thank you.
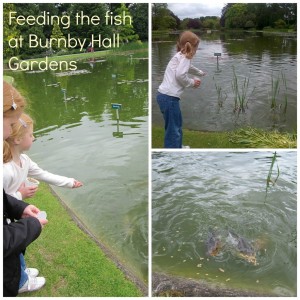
(175, 80)
(18, 166)
(20, 225)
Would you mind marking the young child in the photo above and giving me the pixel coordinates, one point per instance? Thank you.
(18, 166)
(175, 80)
(17, 235)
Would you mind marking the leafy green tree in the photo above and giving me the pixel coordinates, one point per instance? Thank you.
(86, 30)
(126, 30)
(236, 16)
(56, 34)
(162, 17)
(9, 31)
(139, 13)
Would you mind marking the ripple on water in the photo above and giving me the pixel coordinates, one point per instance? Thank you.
(204, 190)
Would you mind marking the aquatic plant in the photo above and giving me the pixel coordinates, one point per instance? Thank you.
(269, 178)
(285, 94)
(274, 92)
(240, 92)
(222, 95)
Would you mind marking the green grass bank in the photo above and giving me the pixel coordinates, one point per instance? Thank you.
(70, 260)
(137, 50)
(240, 138)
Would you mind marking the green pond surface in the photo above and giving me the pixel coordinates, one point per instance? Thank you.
(198, 192)
(78, 135)
(251, 60)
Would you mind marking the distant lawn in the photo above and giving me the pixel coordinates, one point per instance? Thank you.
(135, 48)
(72, 263)
(241, 138)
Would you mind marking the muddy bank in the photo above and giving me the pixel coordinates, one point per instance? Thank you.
(170, 286)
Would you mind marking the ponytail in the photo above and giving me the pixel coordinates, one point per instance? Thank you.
(7, 153)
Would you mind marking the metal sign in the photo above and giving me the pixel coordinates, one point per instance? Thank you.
(217, 54)
(116, 106)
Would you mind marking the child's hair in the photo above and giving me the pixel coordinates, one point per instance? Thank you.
(13, 102)
(188, 43)
(18, 131)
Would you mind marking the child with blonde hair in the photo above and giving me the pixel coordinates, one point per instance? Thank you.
(175, 80)
(18, 166)
(21, 225)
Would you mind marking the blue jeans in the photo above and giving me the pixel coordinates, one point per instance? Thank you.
(24, 276)
(170, 108)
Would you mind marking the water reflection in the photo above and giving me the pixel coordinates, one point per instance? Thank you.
(193, 193)
(258, 58)
(76, 128)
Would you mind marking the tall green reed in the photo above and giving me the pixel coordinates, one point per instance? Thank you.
(240, 92)
(269, 177)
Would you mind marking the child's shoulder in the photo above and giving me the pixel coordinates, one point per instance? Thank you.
(24, 157)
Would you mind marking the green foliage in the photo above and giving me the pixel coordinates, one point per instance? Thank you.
(139, 13)
(138, 29)
(56, 34)
(259, 15)
(126, 31)
(9, 31)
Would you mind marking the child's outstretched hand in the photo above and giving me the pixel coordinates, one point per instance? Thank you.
(27, 191)
(77, 184)
(197, 82)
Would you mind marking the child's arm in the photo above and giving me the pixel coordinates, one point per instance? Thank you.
(50, 178)
(195, 71)
(181, 73)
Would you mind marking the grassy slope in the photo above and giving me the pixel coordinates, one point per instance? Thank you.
(241, 138)
(71, 262)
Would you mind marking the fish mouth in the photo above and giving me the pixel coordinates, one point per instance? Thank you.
(215, 250)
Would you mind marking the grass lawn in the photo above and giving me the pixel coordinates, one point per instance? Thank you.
(137, 49)
(241, 138)
(72, 263)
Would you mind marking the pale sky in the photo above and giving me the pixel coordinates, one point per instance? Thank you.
(196, 10)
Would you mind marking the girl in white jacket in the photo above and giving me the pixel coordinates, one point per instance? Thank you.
(18, 166)
(175, 80)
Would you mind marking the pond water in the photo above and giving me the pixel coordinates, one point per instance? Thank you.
(77, 135)
(200, 192)
(254, 60)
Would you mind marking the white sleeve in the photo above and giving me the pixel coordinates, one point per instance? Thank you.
(196, 71)
(10, 183)
(181, 73)
(36, 172)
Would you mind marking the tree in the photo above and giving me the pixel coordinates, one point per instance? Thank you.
(86, 30)
(139, 13)
(9, 31)
(236, 16)
(125, 30)
(163, 18)
(56, 34)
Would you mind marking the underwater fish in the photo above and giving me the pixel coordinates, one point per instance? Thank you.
(243, 247)
(213, 243)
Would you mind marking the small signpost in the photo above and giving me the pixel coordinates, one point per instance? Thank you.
(117, 106)
(217, 54)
